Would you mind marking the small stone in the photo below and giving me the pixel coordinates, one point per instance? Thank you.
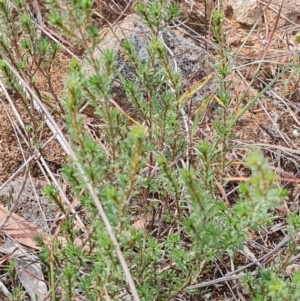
(292, 269)
(247, 12)
(296, 133)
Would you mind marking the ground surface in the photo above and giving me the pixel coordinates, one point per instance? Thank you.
(273, 123)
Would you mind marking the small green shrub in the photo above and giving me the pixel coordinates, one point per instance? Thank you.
(146, 166)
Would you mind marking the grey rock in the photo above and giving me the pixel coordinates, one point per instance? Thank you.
(193, 63)
(28, 206)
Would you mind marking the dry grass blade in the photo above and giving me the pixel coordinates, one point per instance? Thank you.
(216, 281)
(254, 99)
(194, 88)
(4, 290)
